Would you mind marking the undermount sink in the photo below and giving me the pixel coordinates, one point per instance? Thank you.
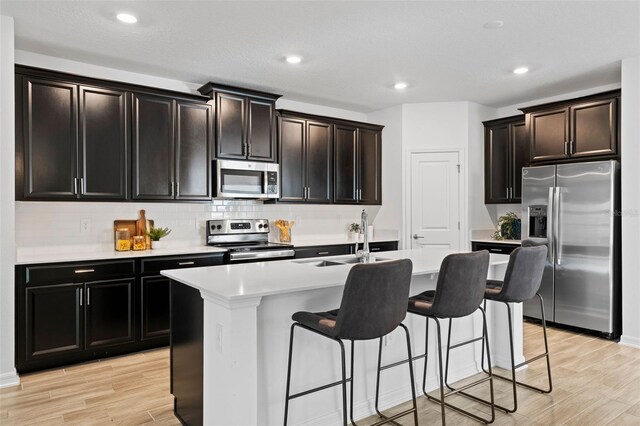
(339, 261)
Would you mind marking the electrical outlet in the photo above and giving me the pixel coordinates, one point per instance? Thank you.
(219, 336)
(85, 226)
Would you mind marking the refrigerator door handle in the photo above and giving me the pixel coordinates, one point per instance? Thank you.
(556, 223)
(550, 224)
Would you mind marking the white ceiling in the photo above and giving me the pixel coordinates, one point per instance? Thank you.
(353, 51)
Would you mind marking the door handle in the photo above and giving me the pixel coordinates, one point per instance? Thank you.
(80, 297)
(550, 225)
(416, 236)
(556, 223)
(88, 296)
(177, 189)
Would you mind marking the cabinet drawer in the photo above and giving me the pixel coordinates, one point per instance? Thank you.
(380, 246)
(78, 272)
(495, 248)
(317, 251)
(157, 264)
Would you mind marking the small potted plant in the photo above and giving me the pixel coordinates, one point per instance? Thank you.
(156, 234)
(508, 227)
(354, 231)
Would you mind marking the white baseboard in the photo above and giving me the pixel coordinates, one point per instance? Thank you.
(634, 342)
(9, 379)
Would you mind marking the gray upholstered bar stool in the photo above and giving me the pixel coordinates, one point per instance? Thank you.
(374, 303)
(521, 283)
(459, 292)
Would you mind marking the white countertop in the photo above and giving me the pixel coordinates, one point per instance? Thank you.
(33, 255)
(250, 280)
(78, 253)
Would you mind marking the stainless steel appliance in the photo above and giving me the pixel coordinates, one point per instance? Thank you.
(246, 240)
(573, 210)
(246, 179)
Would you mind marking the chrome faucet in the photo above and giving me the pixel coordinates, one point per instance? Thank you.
(364, 254)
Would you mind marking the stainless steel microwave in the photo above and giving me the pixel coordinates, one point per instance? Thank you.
(246, 179)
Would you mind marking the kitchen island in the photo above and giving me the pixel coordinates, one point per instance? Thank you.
(230, 332)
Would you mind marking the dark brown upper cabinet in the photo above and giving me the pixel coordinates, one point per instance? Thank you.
(306, 160)
(358, 164)
(194, 138)
(171, 148)
(153, 149)
(573, 130)
(245, 122)
(72, 140)
(506, 152)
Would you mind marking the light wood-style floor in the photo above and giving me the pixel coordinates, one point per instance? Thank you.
(596, 382)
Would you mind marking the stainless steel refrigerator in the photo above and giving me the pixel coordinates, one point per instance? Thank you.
(573, 209)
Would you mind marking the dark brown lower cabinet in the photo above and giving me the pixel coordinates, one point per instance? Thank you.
(54, 323)
(109, 312)
(77, 311)
(496, 248)
(341, 249)
(154, 307)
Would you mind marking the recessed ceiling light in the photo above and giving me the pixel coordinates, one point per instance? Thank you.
(400, 85)
(493, 25)
(521, 70)
(293, 59)
(126, 18)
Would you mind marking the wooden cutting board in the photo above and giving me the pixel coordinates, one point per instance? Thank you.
(130, 225)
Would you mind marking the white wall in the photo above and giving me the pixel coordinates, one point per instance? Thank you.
(630, 146)
(7, 204)
(390, 214)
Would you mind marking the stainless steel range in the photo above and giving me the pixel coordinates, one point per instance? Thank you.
(247, 240)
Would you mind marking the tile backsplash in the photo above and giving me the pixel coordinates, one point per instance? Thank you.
(47, 224)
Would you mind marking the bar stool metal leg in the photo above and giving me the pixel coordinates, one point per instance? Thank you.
(514, 366)
(409, 360)
(461, 390)
(342, 382)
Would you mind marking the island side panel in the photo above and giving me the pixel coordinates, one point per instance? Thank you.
(497, 324)
(231, 361)
(187, 325)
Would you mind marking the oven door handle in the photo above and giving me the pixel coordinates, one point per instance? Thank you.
(262, 254)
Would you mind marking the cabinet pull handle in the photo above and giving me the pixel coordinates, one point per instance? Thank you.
(496, 250)
(75, 186)
(572, 147)
(88, 296)
(374, 249)
(177, 189)
(186, 263)
(566, 147)
(84, 271)
(249, 150)
(80, 297)
(82, 188)
(323, 252)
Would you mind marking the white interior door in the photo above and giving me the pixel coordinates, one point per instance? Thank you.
(435, 200)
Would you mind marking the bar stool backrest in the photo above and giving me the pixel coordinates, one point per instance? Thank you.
(374, 301)
(461, 283)
(524, 274)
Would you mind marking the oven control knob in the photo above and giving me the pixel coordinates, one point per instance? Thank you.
(260, 226)
(219, 227)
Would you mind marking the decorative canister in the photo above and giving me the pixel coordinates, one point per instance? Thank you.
(139, 243)
(122, 240)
